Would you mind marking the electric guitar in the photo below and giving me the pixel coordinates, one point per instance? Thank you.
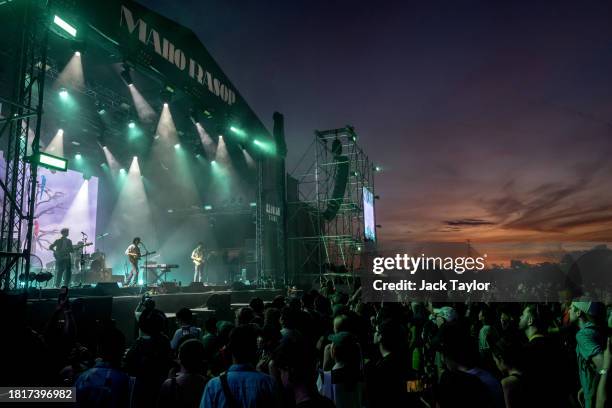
(199, 260)
(62, 254)
(136, 256)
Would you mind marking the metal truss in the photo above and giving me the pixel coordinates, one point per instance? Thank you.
(20, 135)
(334, 245)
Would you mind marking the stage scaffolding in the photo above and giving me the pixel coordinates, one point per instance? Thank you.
(20, 130)
(333, 243)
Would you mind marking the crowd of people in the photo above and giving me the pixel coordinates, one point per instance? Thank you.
(323, 349)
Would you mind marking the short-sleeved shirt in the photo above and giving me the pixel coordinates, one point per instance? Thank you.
(132, 249)
(589, 343)
(103, 386)
(194, 332)
(63, 248)
(248, 387)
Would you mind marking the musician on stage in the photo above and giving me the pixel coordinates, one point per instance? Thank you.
(197, 256)
(133, 254)
(62, 248)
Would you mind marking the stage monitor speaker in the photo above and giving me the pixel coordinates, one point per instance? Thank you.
(194, 287)
(108, 288)
(168, 287)
(219, 301)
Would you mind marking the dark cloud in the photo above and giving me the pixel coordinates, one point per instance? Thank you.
(468, 222)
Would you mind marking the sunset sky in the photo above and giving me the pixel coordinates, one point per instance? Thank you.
(492, 122)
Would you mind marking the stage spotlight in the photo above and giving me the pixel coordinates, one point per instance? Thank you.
(131, 124)
(63, 93)
(77, 53)
(166, 94)
(78, 156)
(64, 25)
(213, 162)
(177, 146)
(122, 171)
(208, 207)
(377, 168)
(267, 147)
(198, 156)
(238, 132)
(135, 158)
(126, 76)
(193, 115)
(253, 204)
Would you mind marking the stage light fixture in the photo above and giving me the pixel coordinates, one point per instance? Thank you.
(177, 146)
(78, 156)
(122, 171)
(63, 93)
(126, 75)
(238, 132)
(77, 53)
(377, 168)
(267, 147)
(131, 124)
(213, 162)
(100, 108)
(198, 156)
(166, 94)
(253, 204)
(64, 25)
(51, 162)
(208, 207)
(194, 116)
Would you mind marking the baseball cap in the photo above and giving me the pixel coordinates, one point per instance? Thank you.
(590, 308)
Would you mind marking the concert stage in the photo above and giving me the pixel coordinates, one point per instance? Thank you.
(121, 303)
(148, 140)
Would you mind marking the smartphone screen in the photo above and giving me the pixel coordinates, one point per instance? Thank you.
(414, 385)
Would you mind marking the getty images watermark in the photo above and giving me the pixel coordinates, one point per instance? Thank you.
(392, 277)
(407, 264)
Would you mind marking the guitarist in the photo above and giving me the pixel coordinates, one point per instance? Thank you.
(133, 254)
(197, 256)
(62, 248)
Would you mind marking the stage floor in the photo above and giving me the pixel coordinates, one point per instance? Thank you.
(123, 303)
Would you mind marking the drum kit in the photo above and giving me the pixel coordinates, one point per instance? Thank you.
(86, 268)
(90, 268)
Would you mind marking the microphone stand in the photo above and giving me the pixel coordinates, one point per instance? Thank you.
(82, 260)
(146, 269)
